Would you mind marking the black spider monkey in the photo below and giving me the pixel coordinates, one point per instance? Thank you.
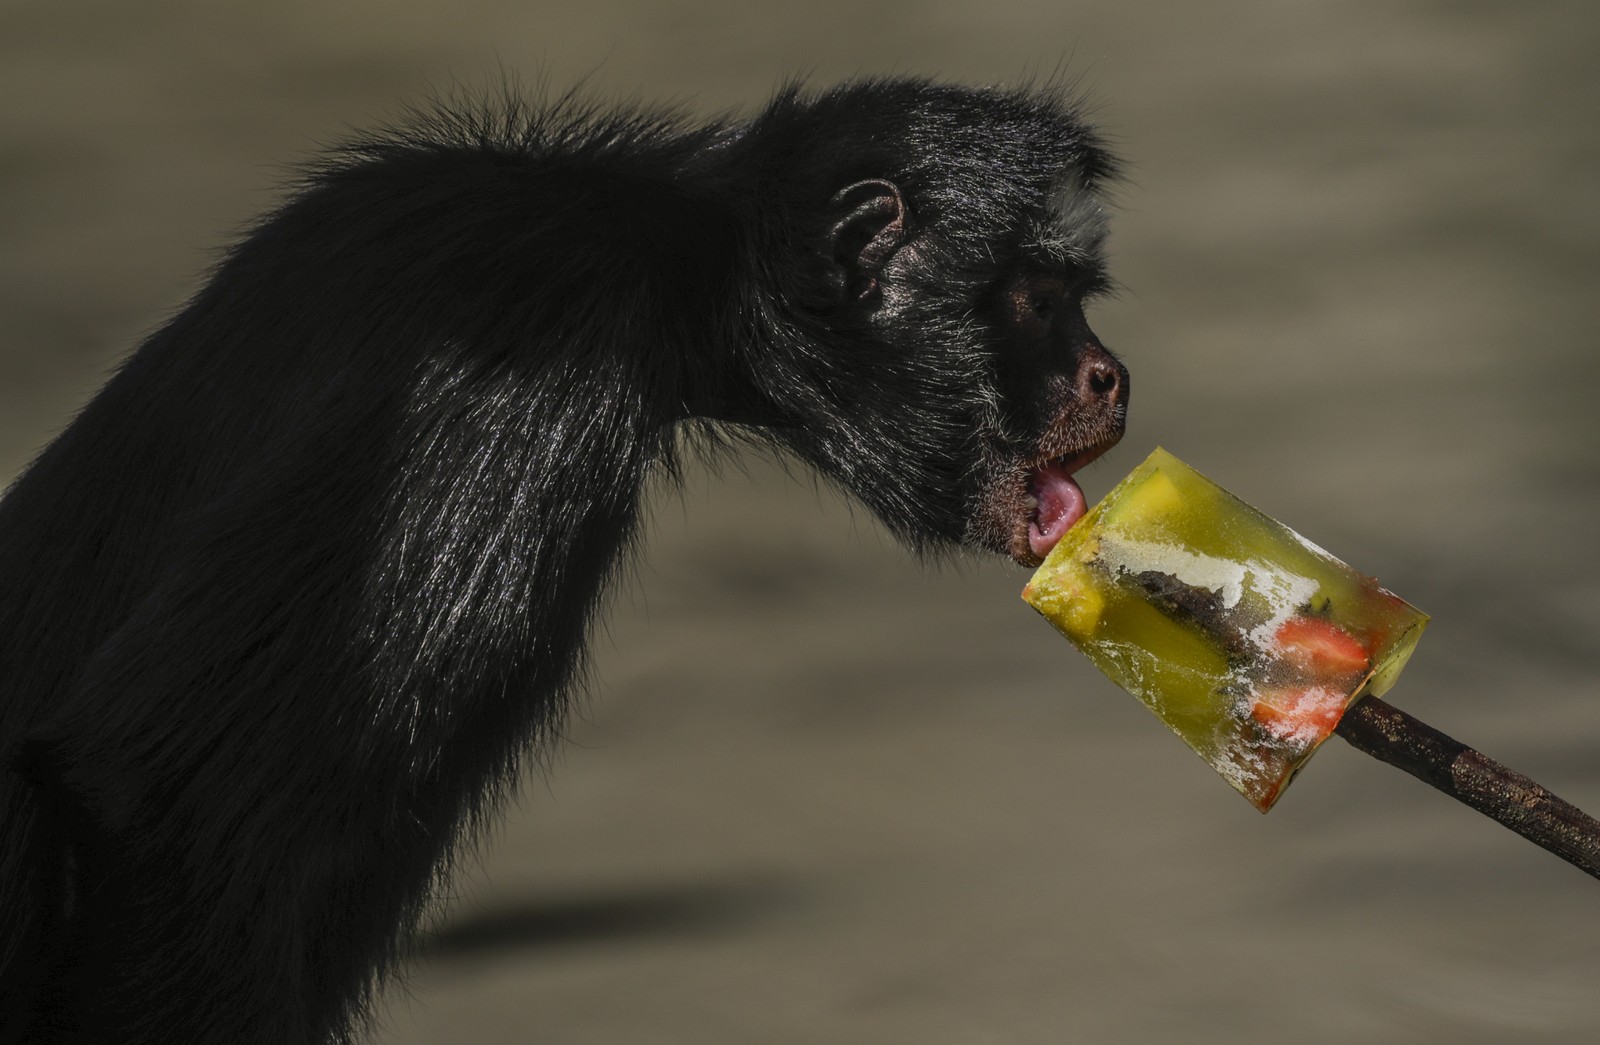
(283, 606)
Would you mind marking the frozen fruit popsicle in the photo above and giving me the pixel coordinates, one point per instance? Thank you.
(1246, 639)
(1254, 645)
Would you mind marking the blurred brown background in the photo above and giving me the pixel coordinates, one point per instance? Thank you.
(819, 794)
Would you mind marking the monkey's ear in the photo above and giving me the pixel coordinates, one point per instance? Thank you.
(871, 225)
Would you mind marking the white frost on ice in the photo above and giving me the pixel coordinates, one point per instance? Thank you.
(1284, 593)
(1223, 576)
(1315, 548)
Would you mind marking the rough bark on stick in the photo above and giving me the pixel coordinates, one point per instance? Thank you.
(1469, 776)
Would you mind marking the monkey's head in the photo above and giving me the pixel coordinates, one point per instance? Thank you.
(933, 249)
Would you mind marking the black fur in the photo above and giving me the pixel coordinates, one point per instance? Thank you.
(283, 607)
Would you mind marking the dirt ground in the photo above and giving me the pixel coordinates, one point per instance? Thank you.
(821, 794)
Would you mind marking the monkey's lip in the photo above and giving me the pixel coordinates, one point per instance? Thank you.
(1056, 500)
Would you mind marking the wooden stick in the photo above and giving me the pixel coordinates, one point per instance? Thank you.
(1390, 735)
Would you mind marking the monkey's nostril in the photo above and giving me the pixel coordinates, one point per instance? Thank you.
(1103, 377)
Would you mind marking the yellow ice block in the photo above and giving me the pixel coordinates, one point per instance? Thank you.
(1246, 639)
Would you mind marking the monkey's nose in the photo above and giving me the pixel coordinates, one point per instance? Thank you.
(1099, 375)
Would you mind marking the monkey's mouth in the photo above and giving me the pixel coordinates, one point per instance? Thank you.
(1054, 503)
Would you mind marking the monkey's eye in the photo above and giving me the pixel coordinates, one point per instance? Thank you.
(1034, 301)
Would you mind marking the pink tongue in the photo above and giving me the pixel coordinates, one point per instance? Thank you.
(1061, 504)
